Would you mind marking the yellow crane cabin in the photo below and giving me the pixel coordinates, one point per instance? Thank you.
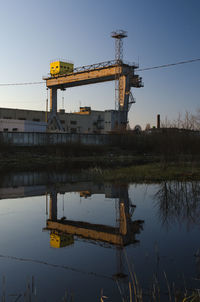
(59, 68)
(58, 240)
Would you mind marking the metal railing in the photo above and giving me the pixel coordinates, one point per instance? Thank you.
(95, 67)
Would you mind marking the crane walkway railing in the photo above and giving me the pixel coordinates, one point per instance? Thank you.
(94, 67)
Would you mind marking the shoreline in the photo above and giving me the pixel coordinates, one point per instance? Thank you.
(108, 167)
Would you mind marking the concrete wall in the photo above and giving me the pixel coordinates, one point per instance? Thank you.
(78, 123)
(36, 138)
(31, 126)
(10, 125)
(112, 118)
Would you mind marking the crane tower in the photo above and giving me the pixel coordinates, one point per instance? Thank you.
(118, 35)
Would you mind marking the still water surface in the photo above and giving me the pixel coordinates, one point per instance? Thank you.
(61, 234)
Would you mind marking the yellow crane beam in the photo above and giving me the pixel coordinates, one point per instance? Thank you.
(97, 75)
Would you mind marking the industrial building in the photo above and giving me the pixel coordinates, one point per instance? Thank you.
(83, 121)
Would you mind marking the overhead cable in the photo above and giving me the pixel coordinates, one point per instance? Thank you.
(141, 69)
(30, 260)
(169, 65)
(20, 84)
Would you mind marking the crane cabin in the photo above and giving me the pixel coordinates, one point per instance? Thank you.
(60, 68)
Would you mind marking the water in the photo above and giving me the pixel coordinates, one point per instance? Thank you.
(65, 235)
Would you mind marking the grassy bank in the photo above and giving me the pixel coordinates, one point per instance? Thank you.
(152, 172)
(22, 161)
(108, 167)
(156, 156)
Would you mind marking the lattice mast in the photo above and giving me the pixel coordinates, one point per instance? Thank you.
(118, 35)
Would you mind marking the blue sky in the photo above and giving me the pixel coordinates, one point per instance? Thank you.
(159, 32)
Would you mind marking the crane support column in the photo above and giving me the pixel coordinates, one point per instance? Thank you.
(124, 100)
(125, 84)
(53, 100)
(53, 118)
(53, 206)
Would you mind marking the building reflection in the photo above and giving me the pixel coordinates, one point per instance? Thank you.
(19, 185)
(176, 201)
(63, 232)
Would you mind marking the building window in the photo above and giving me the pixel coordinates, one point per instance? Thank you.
(5, 129)
(14, 129)
(7, 117)
(73, 130)
(22, 118)
(73, 122)
(36, 120)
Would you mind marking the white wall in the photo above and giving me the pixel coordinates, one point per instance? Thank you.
(11, 125)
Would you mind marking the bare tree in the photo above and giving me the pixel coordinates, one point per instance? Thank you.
(189, 121)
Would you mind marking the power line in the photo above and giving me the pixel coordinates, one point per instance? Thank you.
(20, 84)
(76, 270)
(169, 65)
(141, 69)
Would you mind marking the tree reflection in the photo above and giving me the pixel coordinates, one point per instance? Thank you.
(179, 202)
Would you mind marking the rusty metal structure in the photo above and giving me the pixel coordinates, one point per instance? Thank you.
(118, 35)
(123, 74)
(64, 232)
(119, 236)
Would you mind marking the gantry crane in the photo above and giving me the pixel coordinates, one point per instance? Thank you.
(123, 74)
